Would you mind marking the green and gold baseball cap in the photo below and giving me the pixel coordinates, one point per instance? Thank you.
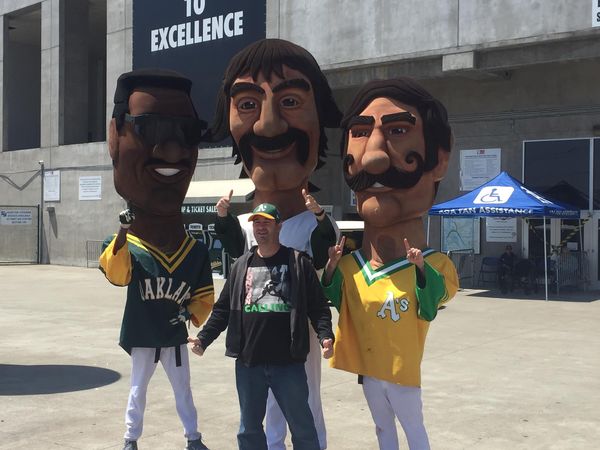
(265, 210)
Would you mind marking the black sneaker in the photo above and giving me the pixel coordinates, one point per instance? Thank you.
(196, 444)
(130, 445)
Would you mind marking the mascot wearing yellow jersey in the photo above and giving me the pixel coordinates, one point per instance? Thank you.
(396, 147)
(153, 143)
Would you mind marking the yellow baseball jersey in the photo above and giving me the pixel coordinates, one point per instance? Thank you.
(384, 316)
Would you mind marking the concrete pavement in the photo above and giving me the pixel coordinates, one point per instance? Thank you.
(498, 373)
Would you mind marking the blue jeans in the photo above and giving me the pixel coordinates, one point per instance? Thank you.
(288, 383)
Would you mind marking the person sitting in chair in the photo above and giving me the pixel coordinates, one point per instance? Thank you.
(507, 265)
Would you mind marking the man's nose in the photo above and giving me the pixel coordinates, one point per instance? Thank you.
(270, 122)
(170, 151)
(376, 159)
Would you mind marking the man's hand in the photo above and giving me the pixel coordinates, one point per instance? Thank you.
(327, 350)
(196, 346)
(126, 218)
(223, 205)
(312, 205)
(182, 316)
(414, 255)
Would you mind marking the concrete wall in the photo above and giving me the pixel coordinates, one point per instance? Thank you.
(508, 71)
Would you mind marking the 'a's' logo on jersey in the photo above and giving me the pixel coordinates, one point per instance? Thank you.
(393, 306)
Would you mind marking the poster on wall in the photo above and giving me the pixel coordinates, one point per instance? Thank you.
(16, 216)
(478, 167)
(196, 38)
(52, 185)
(460, 233)
(501, 229)
(90, 188)
(596, 13)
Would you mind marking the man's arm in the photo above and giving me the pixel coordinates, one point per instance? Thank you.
(324, 235)
(316, 304)
(217, 322)
(228, 228)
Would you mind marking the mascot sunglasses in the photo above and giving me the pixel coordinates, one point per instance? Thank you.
(155, 129)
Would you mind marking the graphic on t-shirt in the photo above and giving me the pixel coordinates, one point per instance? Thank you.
(267, 289)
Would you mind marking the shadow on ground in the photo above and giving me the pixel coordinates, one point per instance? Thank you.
(52, 379)
(566, 295)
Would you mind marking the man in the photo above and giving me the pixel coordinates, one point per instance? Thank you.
(507, 265)
(275, 103)
(396, 149)
(153, 139)
(265, 305)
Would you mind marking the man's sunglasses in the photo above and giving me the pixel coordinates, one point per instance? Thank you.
(155, 129)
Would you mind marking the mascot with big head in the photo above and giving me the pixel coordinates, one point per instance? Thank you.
(395, 150)
(153, 143)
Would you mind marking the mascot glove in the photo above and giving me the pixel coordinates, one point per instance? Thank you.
(126, 218)
(182, 316)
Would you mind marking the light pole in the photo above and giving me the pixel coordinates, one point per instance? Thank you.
(41, 214)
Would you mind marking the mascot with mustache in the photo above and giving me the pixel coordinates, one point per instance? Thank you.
(396, 148)
(153, 143)
(275, 103)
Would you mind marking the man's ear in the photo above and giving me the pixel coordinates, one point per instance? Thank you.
(439, 171)
(113, 141)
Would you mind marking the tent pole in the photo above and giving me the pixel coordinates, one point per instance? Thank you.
(545, 261)
(428, 223)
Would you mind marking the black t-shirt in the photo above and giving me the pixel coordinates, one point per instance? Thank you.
(266, 310)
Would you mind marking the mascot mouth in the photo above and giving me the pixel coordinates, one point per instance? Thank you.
(167, 171)
(392, 178)
(274, 147)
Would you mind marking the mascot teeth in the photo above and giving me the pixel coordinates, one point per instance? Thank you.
(167, 172)
(377, 185)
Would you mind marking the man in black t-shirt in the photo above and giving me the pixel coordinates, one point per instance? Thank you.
(265, 303)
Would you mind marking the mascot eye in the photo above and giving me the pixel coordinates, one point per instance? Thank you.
(247, 105)
(398, 130)
(289, 102)
(360, 133)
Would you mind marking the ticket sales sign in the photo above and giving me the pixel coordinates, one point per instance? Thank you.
(196, 38)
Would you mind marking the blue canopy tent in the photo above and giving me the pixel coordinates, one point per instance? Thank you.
(504, 196)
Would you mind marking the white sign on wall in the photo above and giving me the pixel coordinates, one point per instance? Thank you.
(90, 188)
(478, 167)
(596, 13)
(52, 185)
(501, 229)
(15, 217)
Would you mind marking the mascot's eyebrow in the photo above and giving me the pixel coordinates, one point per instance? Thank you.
(242, 86)
(298, 83)
(404, 116)
(360, 120)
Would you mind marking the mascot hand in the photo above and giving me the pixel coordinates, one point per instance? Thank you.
(414, 255)
(182, 316)
(126, 218)
(223, 205)
(196, 346)
(312, 205)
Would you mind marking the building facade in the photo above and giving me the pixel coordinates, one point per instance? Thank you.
(519, 78)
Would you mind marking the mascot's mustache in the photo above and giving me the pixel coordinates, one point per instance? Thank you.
(272, 144)
(392, 178)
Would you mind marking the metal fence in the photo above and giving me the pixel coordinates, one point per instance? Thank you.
(93, 250)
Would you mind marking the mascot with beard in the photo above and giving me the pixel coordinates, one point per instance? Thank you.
(275, 103)
(395, 150)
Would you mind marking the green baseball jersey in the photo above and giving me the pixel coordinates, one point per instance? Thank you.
(385, 316)
(158, 285)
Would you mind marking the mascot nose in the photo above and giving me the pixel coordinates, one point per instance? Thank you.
(170, 151)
